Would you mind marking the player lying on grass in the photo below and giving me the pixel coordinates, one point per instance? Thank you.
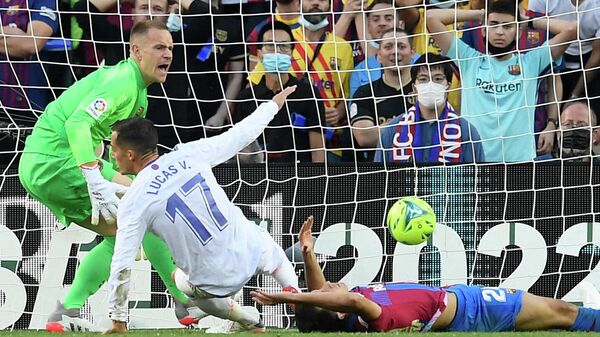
(414, 307)
(60, 169)
(177, 197)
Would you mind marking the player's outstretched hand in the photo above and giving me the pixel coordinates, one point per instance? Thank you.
(264, 298)
(305, 235)
(281, 97)
(117, 327)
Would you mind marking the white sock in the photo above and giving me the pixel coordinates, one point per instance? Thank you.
(286, 276)
(226, 308)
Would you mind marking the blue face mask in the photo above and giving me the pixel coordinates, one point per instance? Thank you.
(276, 63)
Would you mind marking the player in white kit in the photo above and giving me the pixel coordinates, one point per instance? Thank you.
(177, 197)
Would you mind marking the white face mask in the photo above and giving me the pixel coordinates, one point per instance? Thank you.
(374, 44)
(174, 22)
(313, 26)
(431, 94)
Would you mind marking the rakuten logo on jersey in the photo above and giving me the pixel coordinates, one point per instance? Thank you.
(498, 88)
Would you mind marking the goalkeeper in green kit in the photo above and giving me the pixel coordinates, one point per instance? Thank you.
(59, 168)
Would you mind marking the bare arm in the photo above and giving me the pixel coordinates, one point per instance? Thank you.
(438, 19)
(185, 4)
(234, 85)
(409, 12)
(315, 140)
(565, 31)
(336, 301)
(554, 95)
(359, 23)
(17, 43)
(341, 301)
(366, 133)
(349, 14)
(592, 63)
(477, 4)
(312, 271)
(340, 109)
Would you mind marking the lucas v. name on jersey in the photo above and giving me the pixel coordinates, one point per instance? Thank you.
(164, 175)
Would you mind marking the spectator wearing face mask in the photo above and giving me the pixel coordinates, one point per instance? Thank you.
(500, 90)
(376, 103)
(431, 131)
(550, 87)
(286, 11)
(325, 61)
(578, 133)
(295, 134)
(381, 17)
(413, 14)
(360, 22)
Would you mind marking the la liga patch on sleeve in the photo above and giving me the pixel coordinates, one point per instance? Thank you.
(97, 108)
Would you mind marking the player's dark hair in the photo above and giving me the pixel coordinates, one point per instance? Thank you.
(502, 7)
(272, 26)
(136, 133)
(310, 318)
(396, 32)
(431, 61)
(141, 28)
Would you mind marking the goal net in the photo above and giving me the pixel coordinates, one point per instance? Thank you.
(531, 225)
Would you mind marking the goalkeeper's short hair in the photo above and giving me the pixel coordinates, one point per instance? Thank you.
(142, 28)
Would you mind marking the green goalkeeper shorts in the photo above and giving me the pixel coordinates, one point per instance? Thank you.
(58, 183)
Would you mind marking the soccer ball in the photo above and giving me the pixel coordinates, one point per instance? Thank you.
(411, 220)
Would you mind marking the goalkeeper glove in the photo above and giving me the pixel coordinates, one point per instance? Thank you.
(103, 195)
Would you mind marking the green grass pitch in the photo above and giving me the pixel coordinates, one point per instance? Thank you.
(292, 333)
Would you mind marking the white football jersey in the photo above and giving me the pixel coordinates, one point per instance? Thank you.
(589, 20)
(177, 197)
(563, 10)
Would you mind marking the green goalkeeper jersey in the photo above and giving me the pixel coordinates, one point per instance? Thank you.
(76, 122)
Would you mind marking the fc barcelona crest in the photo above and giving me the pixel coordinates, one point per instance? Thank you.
(333, 63)
(514, 69)
(221, 35)
(533, 37)
(12, 10)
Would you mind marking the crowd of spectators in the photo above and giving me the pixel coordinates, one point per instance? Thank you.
(393, 81)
